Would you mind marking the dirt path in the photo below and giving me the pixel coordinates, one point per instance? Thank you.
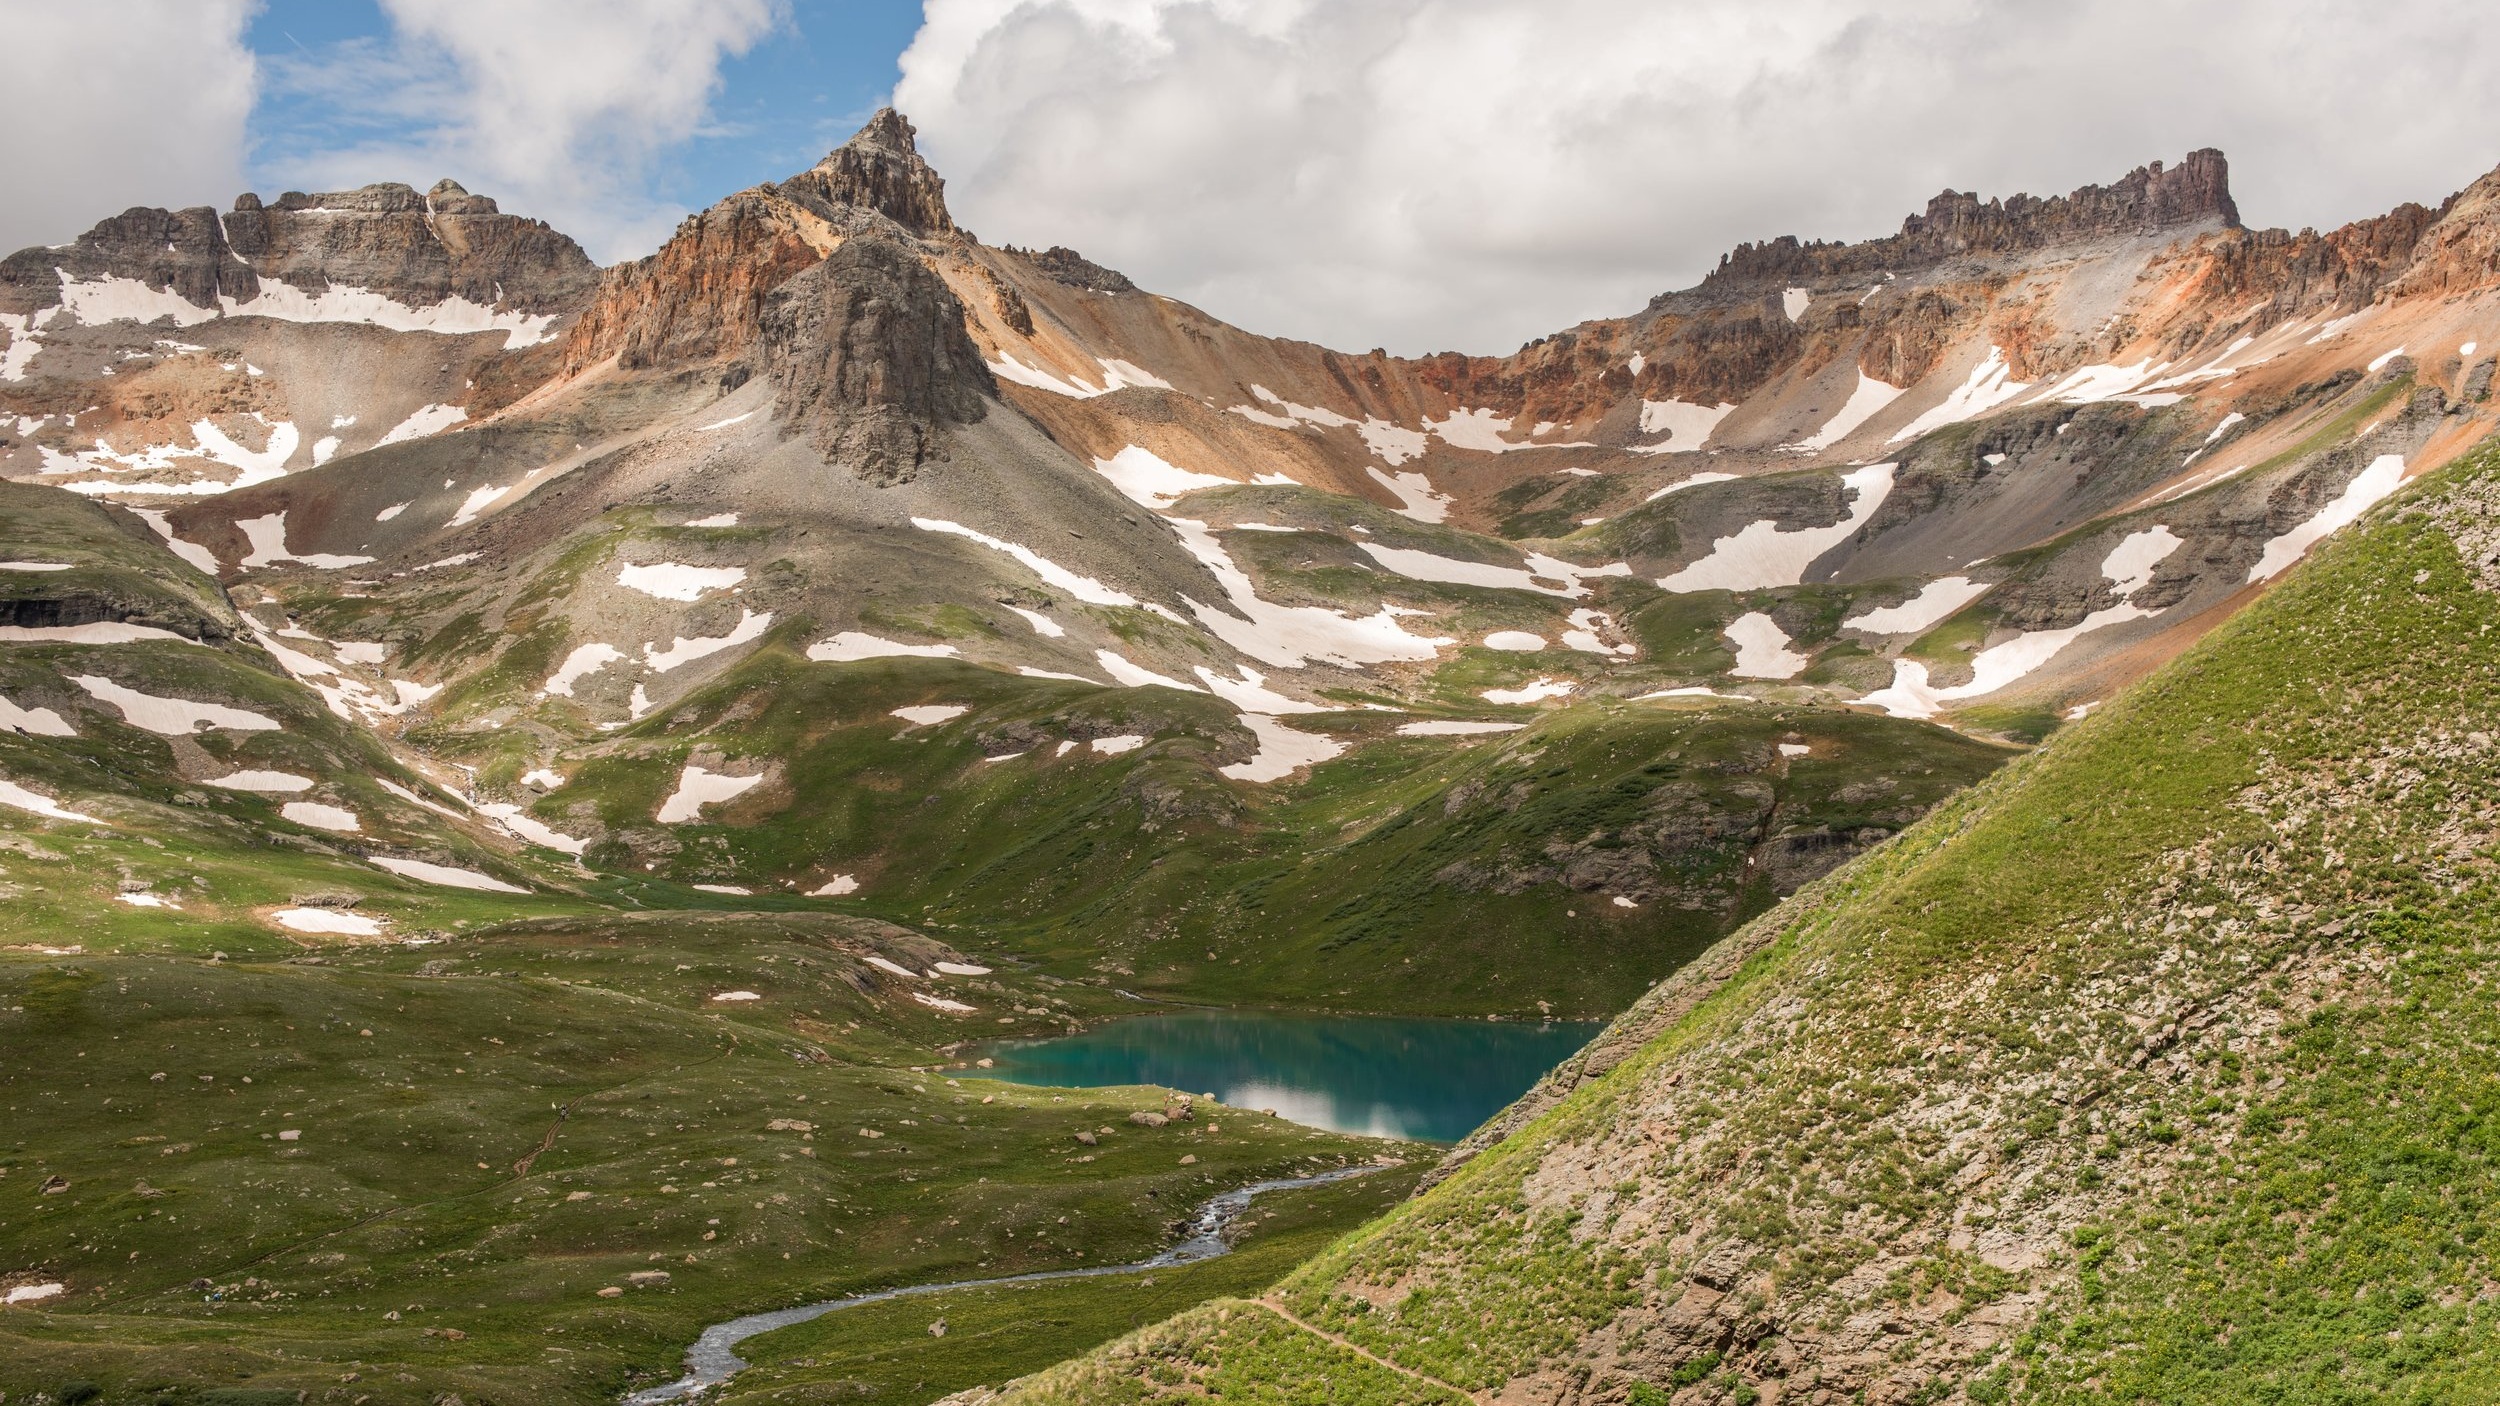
(1358, 1349)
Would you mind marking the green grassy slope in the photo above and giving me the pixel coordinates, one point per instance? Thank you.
(398, 1172)
(2162, 1066)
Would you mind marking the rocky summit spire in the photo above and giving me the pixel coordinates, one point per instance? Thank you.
(880, 169)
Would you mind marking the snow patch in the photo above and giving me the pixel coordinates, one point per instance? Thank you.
(95, 632)
(1794, 302)
(1762, 650)
(1146, 478)
(851, 646)
(835, 887)
(716, 520)
(1454, 727)
(2384, 476)
(1532, 692)
(1084, 588)
(1934, 602)
(1416, 496)
(1686, 426)
(427, 420)
(443, 875)
(1290, 636)
(268, 538)
(750, 626)
(670, 580)
(1042, 624)
(1282, 750)
(1129, 675)
(276, 782)
(327, 922)
(1117, 746)
(1870, 397)
(1514, 641)
(1987, 387)
(931, 714)
(584, 661)
(19, 798)
(320, 817)
(1763, 555)
(33, 722)
(697, 788)
(171, 717)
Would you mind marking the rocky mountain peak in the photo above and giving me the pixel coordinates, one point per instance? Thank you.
(2150, 199)
(880, 169)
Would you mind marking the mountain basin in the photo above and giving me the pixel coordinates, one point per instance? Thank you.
(1426, 1080)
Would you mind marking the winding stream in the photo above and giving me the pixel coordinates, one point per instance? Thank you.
(714, 1359)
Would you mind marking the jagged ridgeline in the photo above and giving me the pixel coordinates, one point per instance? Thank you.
(2159, 1067)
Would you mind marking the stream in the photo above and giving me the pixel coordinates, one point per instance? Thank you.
(714, 1358)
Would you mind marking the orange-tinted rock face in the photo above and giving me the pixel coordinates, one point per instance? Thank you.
(701, 297)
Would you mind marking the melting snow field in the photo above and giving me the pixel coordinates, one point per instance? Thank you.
(1042, 624)
(1694, 481)
(697, 788)
(268, 538)
(1454, 727)
(171, 717)
(1427, 566)
(191, 552)
(18, 797)
(1870, 397)
(669, 580)
(2384, 476)
(320, 817)
(1084, 588)
(1146, 478)
(327, 922)
(1282, 750)
(1762, 650)
(1250, 692)
(1985, 390)
(1116, 374)
(34, 722)
(1934, 602)
(1686, 426)
(1515, 641)
(34, 566)
(1764, 555)
(1416, 496)
(940, 1003)
(2129, 567)
(1114, 746)
(584, 661)
(851, 646)
(1127, 674)
(521, 823)
(1290, 636)
(94, 632)
(428, 420)
(931, 714)
(1533, 692)
(274, 782)
(443, 875)
(751, 626)
(835, 887)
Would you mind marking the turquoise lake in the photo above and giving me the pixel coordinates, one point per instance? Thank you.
(1431, 1080)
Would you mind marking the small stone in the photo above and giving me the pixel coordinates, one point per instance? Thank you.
(1145, 1119)
(1086, 1138)
(938, 1329)
(584, 1195)
(1189, 1159)
(645, 1278)
(610, 1292)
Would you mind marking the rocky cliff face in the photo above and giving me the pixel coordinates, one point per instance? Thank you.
(416, 250)
(701, 297)
(869, 359)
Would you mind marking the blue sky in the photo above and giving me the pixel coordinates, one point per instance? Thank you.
(797, 93)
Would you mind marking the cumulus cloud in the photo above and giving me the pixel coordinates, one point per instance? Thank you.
(558, 108)
(1470, 173)
(116, 103)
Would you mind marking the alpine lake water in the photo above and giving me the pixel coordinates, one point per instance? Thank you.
(1426, 1080)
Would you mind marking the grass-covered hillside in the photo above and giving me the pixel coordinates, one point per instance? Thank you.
(2161, 1067)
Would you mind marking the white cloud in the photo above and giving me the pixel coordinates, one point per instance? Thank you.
(557, 107)
(1429, 173)
(115, 103)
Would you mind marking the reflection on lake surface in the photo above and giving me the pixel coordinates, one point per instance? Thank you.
(1432, 1080)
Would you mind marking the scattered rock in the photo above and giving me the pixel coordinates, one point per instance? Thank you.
(645, 1278)
(610, 1292)
(1145, 1119)
(938, 1329)
(1082, 1136)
